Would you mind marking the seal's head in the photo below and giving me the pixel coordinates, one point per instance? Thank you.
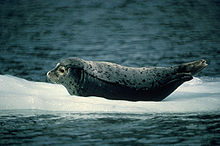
(67, 71)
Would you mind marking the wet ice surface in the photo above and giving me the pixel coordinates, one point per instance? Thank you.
(35, 35)
(193, 96)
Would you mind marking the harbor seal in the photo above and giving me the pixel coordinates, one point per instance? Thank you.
(117, 82)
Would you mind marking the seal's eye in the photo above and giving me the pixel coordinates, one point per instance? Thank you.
(61, 70)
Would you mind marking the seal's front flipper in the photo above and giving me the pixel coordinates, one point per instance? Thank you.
(172, 85)
(192, 67)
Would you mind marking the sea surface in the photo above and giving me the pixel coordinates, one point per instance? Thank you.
(36, 34)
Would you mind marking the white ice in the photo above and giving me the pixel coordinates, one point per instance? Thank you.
(194, 96)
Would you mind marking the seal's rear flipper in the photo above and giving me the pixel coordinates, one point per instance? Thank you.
(170, 86)
(192, 67)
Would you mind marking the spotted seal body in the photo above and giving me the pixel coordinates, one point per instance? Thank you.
(113, 81)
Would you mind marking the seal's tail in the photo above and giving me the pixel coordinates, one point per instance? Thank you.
(192, 67)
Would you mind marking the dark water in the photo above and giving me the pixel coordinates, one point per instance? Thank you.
(99, 129)
(35, 35)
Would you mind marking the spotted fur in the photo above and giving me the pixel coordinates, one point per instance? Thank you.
(113, 81)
